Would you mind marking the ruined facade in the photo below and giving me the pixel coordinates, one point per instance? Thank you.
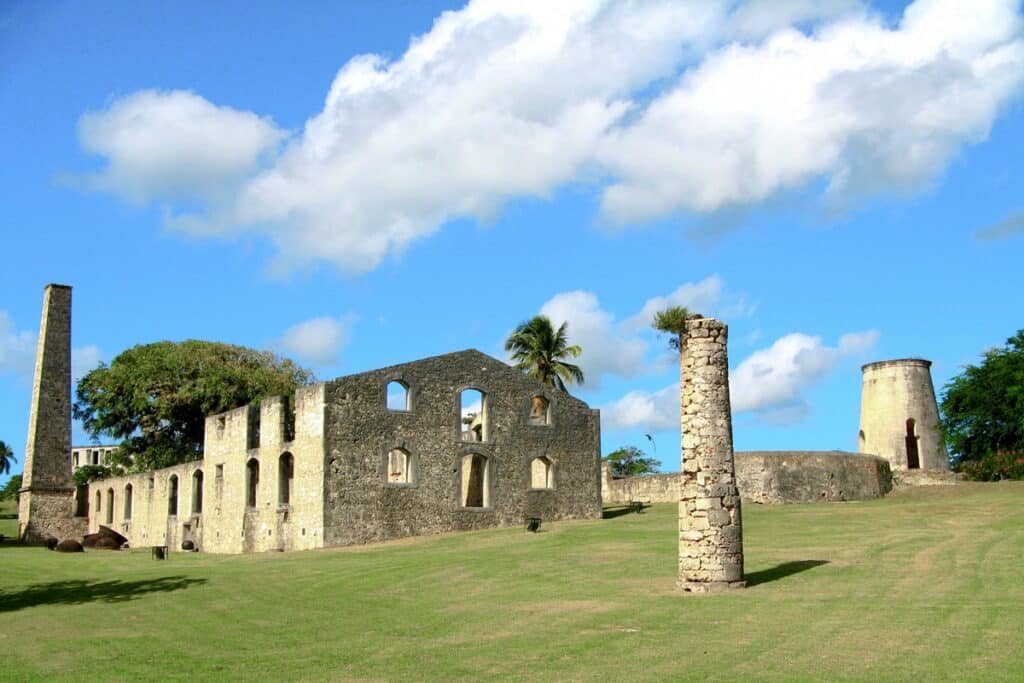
(899, 417)
(373, 456)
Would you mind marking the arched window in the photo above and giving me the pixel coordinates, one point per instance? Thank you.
(401, 467)
(860, 442)
(398, 396)
(99, 499)
(541, 471)
(476, 486)
(913, 457)
(197, 492)
(252, 480)
(540, 410)
(473, 415)
(110, 506)
(285, 475)
(127, 502)
(172, 496)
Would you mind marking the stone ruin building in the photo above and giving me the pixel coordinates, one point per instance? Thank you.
(454, 442)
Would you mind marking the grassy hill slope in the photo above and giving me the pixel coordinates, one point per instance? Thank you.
(923, 585)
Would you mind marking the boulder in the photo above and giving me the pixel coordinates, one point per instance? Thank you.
(69, 545)
(104, 539)
(51, 543)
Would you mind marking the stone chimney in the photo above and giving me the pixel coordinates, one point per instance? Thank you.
(710, 524)
(45, 506)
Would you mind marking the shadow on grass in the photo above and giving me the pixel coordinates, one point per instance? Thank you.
(80, 592)
(781, 571)
(6, 515)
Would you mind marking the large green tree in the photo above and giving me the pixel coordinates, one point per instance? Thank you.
(630, 461)
(540, 351)
(6, 458)
(154, 398)
(983, 413)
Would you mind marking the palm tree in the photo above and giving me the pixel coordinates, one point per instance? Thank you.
(6, 458)
(673, 321)
(539, 351)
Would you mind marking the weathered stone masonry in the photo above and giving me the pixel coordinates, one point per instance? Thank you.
(710, 523)
(46, 500)
(319, 472)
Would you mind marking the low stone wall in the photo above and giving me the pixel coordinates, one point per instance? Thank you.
(807, 476)
(909, 478)
(771, 477)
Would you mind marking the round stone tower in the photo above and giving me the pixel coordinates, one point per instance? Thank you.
(899, 419)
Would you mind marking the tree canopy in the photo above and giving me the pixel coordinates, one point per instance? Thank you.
(673, 321)
(11, 489)
(6, 458)
(630, 461)
(540, 351)
(155, 398)
(983, 414)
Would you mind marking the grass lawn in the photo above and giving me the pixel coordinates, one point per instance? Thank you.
(925, 585)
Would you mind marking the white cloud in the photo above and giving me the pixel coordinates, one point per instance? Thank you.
(658, 100)
(773, 378)
(17, 348)
(606, 349)
(769, 383)
(319, 340)
(697, 297)
(173, 145)
(650, 411)
(83, 360)
(865, 108)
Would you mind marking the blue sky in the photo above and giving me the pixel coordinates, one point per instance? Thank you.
(361, 184)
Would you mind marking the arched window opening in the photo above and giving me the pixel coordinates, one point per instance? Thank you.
(540, 410)
(252, 480)
(197, 492)
(913, 457)
(398, 396)
(541, 471)
(476, 488)
(285, 475)
(110, 506)
(99, 499)
(172, 495)
(401, 467)
(860, 442)
(127, 502)
(473, 415)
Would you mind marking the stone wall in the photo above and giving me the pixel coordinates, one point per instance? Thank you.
(810, 476)
(772, 477)
(222, 520)
(361, 431)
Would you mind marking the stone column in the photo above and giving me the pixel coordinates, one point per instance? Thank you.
(45, 506)
(710, 526)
